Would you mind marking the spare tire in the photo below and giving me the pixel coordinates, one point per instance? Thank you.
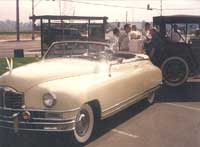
(175, 71)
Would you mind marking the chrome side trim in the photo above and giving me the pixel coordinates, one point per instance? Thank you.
(39, 130)
(126, 103)
(53, 119)
(39, 123)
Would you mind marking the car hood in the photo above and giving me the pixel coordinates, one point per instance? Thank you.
(25, 77)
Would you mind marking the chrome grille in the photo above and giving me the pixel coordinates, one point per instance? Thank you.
(11, 99)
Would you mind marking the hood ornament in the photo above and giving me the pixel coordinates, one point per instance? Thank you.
(9, 63)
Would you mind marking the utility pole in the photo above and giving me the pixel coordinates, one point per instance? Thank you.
(161, 9)
(33, 20)
(60, 7)
(126, 17)
(17, 20)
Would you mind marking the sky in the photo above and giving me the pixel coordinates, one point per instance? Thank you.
(135, 9)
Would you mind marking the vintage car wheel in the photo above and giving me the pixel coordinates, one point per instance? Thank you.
(151, 98)
(175, 71)
(84, 124)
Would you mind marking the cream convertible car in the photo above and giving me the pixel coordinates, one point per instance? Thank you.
(73, 86)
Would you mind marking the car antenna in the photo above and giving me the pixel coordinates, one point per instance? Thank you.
(9, 63)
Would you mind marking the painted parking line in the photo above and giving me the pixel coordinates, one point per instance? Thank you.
(193, 80)
(183, 106)
(125, 133)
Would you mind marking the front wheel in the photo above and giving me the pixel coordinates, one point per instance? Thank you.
(84, 124)
(175, 71)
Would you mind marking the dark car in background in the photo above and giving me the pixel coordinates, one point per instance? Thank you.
(65, 34)
(179, 60)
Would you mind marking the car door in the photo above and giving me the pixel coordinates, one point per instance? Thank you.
(120, 89)
(130, 82)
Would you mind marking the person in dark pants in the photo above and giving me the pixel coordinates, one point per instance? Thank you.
(155, 47)
(146, 32)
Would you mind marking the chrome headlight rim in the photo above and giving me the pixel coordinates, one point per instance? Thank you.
(49, 100)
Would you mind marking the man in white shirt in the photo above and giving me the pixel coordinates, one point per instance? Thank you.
(135, 34)
(146, 32)
(124, 38)
(146, 35)
(136, 41)
(176, 34)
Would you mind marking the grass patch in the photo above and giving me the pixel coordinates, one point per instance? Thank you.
(16, 63)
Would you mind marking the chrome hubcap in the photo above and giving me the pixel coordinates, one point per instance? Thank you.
(82, 123)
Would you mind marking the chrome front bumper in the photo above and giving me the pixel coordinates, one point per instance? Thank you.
(40, 120)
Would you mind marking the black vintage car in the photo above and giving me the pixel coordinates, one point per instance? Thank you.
(180, 55)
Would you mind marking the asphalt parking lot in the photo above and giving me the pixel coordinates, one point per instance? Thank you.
(173, 121)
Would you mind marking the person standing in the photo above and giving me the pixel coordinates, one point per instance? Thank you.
(146, 36)
(114, 40)
(176, 34)
(146, 32)
(134, 32)
(124, 38)
(156, 47)
(136, 42)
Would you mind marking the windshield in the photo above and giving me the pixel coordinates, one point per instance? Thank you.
(86, 50)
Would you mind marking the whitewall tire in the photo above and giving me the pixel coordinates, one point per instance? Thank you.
(84, 124)
(151, 98)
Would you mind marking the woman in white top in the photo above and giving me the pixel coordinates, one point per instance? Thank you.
(114, 40)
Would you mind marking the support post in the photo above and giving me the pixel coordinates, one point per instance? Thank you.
(42, 39)
(161, 7)
(33, 20)
(17, 20)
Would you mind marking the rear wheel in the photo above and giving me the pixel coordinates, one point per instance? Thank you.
(175, 71)
(151, 98)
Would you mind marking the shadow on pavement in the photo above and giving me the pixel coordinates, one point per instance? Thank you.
(189, 92)
(24, 139)
(121, 117)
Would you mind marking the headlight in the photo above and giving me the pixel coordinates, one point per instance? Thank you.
(49, 100)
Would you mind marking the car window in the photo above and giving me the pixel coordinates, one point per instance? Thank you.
(57, 50)
(75, 33)
(75, 48)
(192, 29)
(176, 32)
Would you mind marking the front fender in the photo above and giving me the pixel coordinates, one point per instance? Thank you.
(65, 100)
